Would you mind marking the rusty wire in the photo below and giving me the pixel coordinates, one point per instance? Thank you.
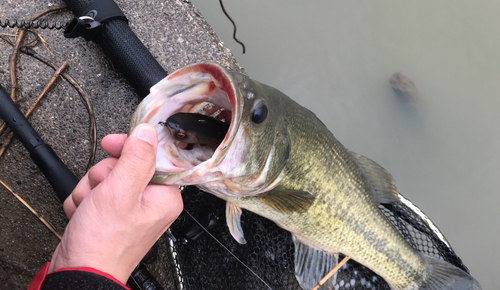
(43, 220)
(17, 47)
(83, 97)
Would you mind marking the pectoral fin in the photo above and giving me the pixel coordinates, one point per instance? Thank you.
(311, 265)
(233, 219)
(287, 200)
(383, 185)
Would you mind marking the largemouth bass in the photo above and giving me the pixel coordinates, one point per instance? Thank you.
(280, 161)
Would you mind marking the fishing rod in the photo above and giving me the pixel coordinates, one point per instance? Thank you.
(62, 180)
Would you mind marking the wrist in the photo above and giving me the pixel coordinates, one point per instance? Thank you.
(111, 260)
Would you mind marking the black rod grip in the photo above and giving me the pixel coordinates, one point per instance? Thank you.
(126, 51)
(62, 180)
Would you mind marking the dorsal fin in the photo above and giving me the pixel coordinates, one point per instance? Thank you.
(311, 265)
(287, 200)
(383, 185)
(233, 219)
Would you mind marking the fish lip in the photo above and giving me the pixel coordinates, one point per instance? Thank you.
(181, 82)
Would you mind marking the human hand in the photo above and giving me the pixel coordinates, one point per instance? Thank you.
(115, 216)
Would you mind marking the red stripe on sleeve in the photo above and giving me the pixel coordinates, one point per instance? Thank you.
(92, 270)
(39, 277)
(37, 282)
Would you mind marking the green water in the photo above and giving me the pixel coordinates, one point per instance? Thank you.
(336, 57)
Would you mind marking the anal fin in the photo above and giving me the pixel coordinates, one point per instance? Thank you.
(311, 265)
(233, 219)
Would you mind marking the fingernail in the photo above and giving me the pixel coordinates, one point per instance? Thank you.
(146, 133)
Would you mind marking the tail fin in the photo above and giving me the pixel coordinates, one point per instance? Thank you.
(440, 275)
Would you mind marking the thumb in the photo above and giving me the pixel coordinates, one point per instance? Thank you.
(136, 164)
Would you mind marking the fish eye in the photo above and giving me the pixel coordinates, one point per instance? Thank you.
(180, 135)
(259, 114)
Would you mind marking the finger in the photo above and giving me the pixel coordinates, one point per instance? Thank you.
(81, 190)
(113, 144)
(163, 203)
(100, 171)
(69, 206)
(136, 164)
(94, 177)
(165, 198)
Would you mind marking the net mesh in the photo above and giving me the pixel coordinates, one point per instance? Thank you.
(214, 260)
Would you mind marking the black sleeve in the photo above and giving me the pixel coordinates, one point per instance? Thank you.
(79, 280)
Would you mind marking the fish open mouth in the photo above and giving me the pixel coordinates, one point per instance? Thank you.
(203, 89)
(178, 129)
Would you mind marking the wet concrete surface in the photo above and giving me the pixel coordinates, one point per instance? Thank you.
(174, 32)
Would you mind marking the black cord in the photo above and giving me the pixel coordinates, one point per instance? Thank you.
(43, 24)
(234, 25)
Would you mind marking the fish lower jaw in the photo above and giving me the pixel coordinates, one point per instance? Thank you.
(222, 188)
(227, 188)
(184, 178)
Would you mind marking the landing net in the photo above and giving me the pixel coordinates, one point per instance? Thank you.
(217, 261)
